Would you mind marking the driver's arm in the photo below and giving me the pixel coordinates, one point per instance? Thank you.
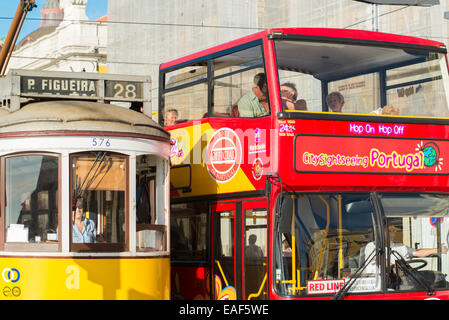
(425, 252)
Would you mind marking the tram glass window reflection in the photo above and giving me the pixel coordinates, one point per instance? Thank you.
(151, 229)
(322, 237)
(418, 230)
(99, 179)
(31, 202)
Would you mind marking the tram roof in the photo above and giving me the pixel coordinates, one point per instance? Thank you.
(73, 115)
(320, 34)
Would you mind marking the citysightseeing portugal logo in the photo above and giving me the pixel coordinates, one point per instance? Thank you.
(224, 155)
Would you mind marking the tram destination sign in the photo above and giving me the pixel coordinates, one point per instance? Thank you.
(59, 86)
(79, 87)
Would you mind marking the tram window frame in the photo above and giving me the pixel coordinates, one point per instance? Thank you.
(151, 225)
(97, 246)
(54, 245)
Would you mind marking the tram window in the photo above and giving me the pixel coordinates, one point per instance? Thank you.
(323, 237)
(151, 230)
(418, 229)
(99, 180)
(31, 199)
(189, 231)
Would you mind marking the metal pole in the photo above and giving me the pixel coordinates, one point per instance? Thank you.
(16, 24)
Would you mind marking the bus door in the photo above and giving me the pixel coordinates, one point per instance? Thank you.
(240, 250)
(225, 228)
(255, 253)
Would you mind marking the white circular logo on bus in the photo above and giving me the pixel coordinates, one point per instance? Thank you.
(224, 155)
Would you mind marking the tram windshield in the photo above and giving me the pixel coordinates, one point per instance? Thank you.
(325, 240)
(364, 78)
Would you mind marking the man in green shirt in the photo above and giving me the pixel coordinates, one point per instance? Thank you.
(255, 103)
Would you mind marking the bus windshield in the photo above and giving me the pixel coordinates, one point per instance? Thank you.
(325, 239)
(365, 78)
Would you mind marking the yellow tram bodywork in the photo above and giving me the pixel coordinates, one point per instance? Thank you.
(85, 278)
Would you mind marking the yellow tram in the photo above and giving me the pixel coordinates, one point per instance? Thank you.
(84, 192)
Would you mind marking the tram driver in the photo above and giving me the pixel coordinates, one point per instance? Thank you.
(83, 229)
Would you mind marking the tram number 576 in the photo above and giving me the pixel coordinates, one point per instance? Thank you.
(101, 142)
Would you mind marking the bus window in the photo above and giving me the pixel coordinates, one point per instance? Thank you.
(417, 90)
(255, 253)
(308, 90)
(31, 201)
(99, 182)
(150, 226)
(234, 78)
(418, 229)
(185, 93)
(189, 231)
(189, 102)
(411, 82)
(224, 249)
(361, 93)
(322, 238)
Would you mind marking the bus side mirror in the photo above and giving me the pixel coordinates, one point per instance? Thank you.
(286, 211)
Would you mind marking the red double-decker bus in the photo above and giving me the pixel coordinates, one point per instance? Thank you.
(309, 163)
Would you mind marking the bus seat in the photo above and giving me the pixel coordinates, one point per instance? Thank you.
(235, 112)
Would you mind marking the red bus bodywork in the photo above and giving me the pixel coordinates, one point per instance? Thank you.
(299, 151)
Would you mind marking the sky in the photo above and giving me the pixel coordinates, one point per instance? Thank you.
(94, 10)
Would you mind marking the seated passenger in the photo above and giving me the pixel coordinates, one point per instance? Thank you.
(335, 101)
(83, 229)
(301, 104)
(389, 109)
(170, 117)
(255, 103)
(288, 98)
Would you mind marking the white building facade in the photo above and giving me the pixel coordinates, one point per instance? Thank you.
(75, 44)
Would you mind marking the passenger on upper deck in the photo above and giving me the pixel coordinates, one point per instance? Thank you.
(288, 98)
(255, 103)
(335, 101)
(170, 117)
(389, 109)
